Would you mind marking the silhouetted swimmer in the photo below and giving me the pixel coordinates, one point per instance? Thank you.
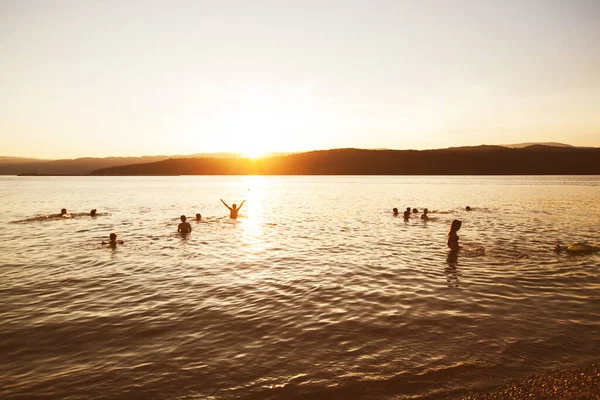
(93, 213)
(64, 213)
(184, 227)
(424, 215)
(395, 211)
(415, 211)
(198, 217)
(453, 236)
(577, 248)
(468, 208)
(234, 209)
(113, 240)
(407, 213)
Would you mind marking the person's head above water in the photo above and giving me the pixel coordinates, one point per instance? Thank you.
(468, 208)
(408, 209)
(395, 210)
(63, 211)
(198, 217)
(113, 237)
(455, 226)
(415, 210)
(93, 212)
(234, 206)
(425, 211)
(183, 218)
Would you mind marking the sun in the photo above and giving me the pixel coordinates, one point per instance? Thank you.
(255, 153)
(258, 122)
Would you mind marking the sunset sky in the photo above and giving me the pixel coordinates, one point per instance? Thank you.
(118, 77)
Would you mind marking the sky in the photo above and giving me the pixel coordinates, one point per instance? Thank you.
(126, 77)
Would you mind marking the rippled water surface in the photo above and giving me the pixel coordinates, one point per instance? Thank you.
(316, 291)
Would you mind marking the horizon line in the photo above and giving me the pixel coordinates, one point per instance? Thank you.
(237, 154)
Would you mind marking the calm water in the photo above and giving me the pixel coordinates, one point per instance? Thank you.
(317, 291)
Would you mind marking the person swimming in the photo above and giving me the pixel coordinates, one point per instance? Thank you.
(577, 248)
(395, 211)
(424, 215)
(415, 211)
(468, 208)
(184, 227)
(93, 213)
(453, 236)
(198, 217)
(113, 240)
(64, 213)
(407, 213)
(234, 209)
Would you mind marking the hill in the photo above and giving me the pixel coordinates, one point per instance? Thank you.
(78, 166)
(85, 165)
(480, 160)
(521, 145)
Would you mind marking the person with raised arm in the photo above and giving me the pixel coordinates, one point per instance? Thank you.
(234, 209)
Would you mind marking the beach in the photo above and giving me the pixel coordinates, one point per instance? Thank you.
(581, 383)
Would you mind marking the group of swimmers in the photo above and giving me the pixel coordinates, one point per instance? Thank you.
(454, 226)
(407, 213)
(65, 214)
(453, 237)
(184, 228)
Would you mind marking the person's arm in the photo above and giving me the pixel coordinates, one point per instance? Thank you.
(225, 204)
(179, 228)
(241, 204)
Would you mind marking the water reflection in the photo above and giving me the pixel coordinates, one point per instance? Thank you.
(451, 271)
(253, 234)
(452, 259)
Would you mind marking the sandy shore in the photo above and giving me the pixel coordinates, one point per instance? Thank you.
(580, 383)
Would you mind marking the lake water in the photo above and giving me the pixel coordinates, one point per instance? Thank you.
(315, 292)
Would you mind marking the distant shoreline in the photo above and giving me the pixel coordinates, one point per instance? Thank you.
(282, 175)
(479, 160)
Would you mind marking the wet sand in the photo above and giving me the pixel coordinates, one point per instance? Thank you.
(579, 383)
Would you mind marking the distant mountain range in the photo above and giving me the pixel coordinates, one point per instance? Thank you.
(552, 158)
(478, 160)
(85, 165)
(521, 145)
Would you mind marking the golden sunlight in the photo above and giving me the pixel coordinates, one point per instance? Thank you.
(254, 153)
(260, 122)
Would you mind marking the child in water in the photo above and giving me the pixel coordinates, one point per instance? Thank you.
(113, 240)
(184, 227)
(407, 213)
(395, 211)
(453, 236)
(424, 215)
(198, 217)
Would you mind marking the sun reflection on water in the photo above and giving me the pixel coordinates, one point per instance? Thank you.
(253, 235)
